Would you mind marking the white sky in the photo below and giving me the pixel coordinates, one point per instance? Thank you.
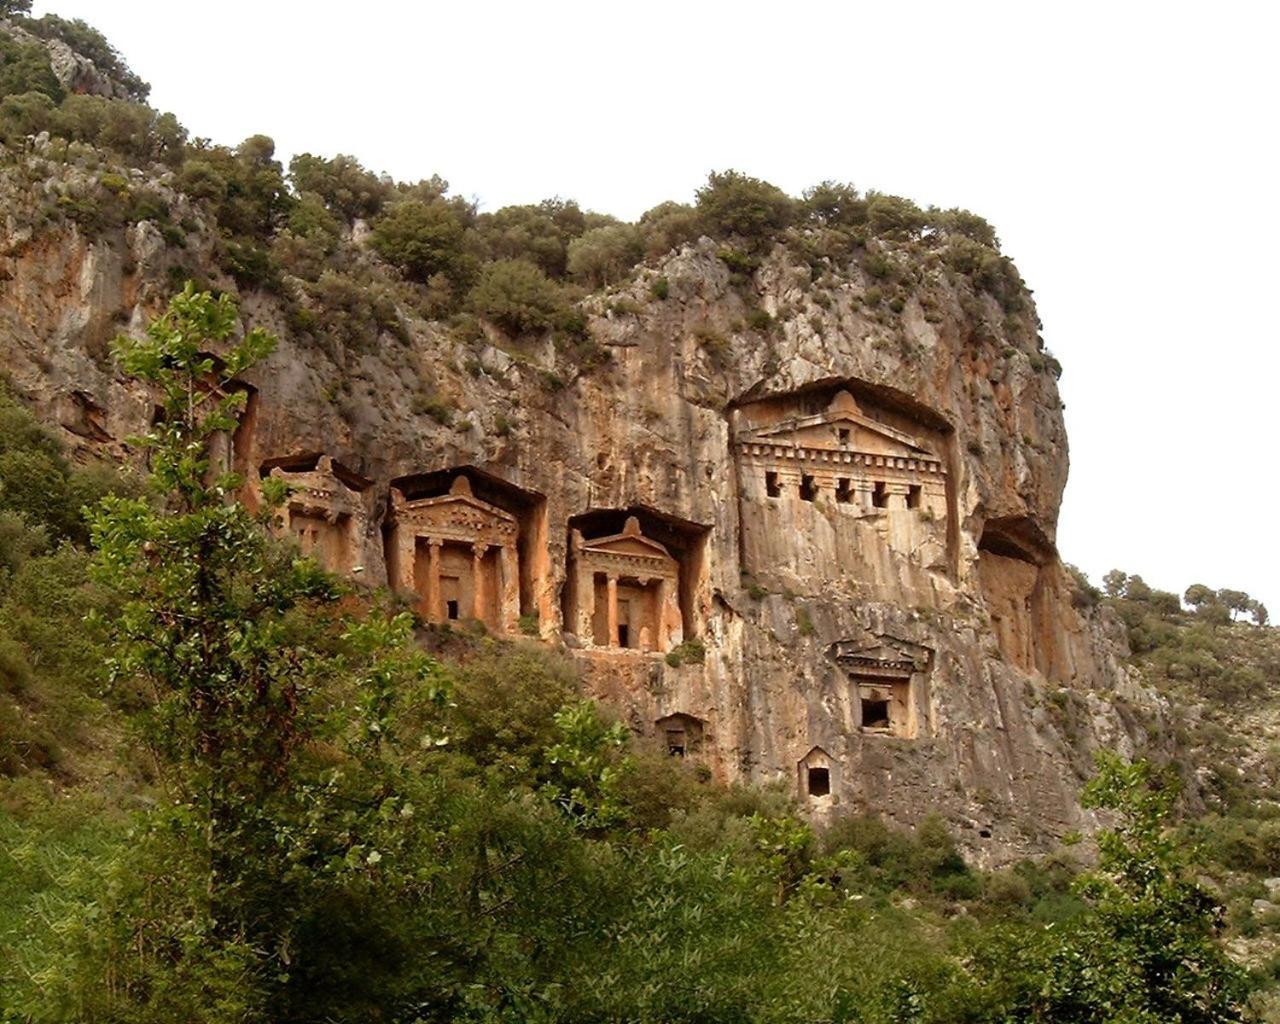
(1124, 151)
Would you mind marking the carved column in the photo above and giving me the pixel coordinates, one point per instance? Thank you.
(660, 634)
(612, 589)
(897, 496)
(477, 580)
(863, 489)
(433, 579)
(406, 552)
(509, 589)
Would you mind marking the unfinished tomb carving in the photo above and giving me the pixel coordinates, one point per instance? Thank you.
(890, 681)
(1015, 569)
(458, 554)
(325, 511)
(624, 591)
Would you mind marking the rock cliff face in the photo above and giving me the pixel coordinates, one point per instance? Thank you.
(814, 548)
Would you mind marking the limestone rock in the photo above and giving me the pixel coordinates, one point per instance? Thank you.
(818, 553)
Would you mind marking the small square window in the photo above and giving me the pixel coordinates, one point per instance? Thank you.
(875, 714)
(808, 489)
(844, 491)
(771, 486)
(819, 781)
(880, 495)
(451, 609)
(914, 494)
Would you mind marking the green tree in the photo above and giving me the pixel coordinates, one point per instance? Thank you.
(603, 255)
(733, 204)
(539, 233)
(835, 204)
(421, 238)
(894, 217)
(1114, 583)
(234, 638)
(25, 68)
(1146, 953)
(518, 297)
(342, 183)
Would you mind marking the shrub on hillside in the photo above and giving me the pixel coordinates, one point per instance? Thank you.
(834, 204)
(24, 67)
(519, 297)
(668, 226)
(539, 233)
(421, 238)
(733, 204)
(894, 217)
(604, 255)
(342, 184)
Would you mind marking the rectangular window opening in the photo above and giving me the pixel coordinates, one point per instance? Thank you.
(844, 490)
(675, 743)
(819, 781)
(880, 495)
(914, 494)
(808, 490)
(451, 608)
(875, 714)
(771, 486)
(624, 635)
(843, 434)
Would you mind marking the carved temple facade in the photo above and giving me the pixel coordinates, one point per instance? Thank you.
(326, 510)
(624, 591)
(845, 456)
(890, 684)
(459, 556)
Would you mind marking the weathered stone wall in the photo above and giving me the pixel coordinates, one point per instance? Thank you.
(653, 429)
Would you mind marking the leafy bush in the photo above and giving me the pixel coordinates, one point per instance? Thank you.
(421, 238)
(539, 234)
(834, 204)
(342, 184)
(25, 68)
(352, 312)
(668, 226)
(245, 186)
(519, 297)
(736, 205)
(894, 217)
(603, 255)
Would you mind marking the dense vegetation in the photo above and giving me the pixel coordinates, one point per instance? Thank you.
(312, 818)
(325, 230)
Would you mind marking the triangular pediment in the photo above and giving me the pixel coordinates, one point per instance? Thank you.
(842, 426)
(623, 544)
(455, 503)
(880, 651)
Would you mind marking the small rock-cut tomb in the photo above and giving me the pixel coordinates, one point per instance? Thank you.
(680, 734)
(325, 510)
(458, 554)
(889, 679)
(624, 591)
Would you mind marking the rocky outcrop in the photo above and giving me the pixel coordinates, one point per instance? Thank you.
(897, 634)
